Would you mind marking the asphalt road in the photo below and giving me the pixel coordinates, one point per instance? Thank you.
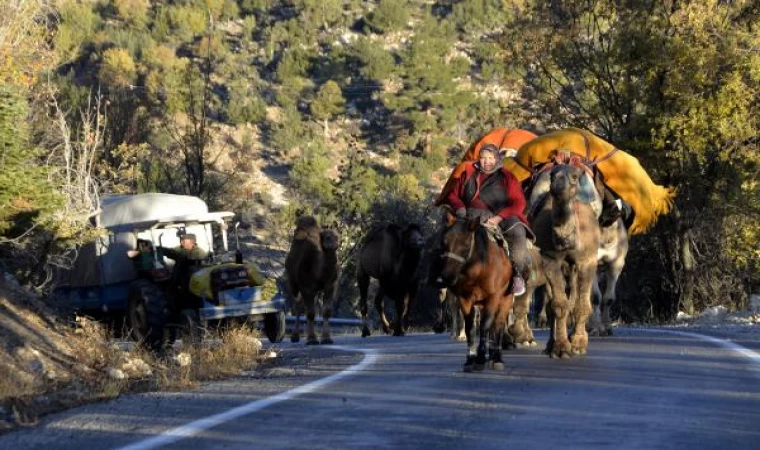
(636, 390)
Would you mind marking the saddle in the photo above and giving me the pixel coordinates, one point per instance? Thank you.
(495, 235)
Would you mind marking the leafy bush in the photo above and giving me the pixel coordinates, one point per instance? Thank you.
(390, 15)
(117, 68)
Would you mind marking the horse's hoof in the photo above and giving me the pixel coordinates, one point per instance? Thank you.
(496, 365)
(312, 341)
(366, 332)
(295, 338)
(386, 330)
(478, 367)
(438, 329)
(533, 344)
(398, 333)
(327, 341)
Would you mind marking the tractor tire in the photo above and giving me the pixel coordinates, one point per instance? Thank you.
(274, 326)
(148, 316)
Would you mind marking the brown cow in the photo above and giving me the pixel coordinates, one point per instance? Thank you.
(312, 267)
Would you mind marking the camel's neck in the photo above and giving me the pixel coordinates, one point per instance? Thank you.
(330, 257)
(562, 211)
(408, 262)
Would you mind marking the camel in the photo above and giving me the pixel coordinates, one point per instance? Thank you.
(613, 249)
(520, 331)
(567, 232)
(390, 254)
(312, 267)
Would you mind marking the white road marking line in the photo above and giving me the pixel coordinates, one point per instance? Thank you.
(751, 355)
(195, 427)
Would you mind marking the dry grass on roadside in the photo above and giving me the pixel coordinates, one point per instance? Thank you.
(224, 353)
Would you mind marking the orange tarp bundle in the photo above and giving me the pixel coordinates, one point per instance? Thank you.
(622, 172)
(501, 137)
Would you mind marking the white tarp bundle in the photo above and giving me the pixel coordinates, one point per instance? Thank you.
(131, 209)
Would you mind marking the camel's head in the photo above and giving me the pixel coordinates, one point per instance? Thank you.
(565, 181)
(413, 237)
(330, 241)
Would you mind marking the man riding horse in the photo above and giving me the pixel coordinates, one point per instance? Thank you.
(487, 190)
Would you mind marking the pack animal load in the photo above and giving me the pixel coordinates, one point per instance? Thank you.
(623, 174)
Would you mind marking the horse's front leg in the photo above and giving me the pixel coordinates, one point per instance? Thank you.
(468, 312)
(498, 330)
(487, 317)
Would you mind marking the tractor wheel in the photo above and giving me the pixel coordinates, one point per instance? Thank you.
(274, 326)
(148, 314)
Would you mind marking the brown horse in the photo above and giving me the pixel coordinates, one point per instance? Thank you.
(390, 254)
(312, 268)
(476, 269)
(567, 232)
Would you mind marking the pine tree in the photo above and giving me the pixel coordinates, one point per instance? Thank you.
(328, 103)
(26, 196)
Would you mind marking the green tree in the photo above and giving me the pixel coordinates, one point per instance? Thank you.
(294, 63)
(26, 196)
(308, 175)
(328, 103)
(667, 82)
(388, 16)
(376, 62)
(117, 68)
(134, 12)
(430, 100)
(77, 23)
(320, 13)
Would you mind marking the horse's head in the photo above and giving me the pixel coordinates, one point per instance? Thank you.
(413, 237)
(565, 181)
(458, 247)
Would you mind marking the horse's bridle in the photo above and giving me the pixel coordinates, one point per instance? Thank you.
(459, 258)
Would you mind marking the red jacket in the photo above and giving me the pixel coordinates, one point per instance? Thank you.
(515, 204)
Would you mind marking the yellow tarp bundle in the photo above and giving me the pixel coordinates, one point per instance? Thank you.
(622, 172)
(200, 281)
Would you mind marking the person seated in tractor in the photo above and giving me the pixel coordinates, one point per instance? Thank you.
(143, 258)
(488, 191)
(186, 251)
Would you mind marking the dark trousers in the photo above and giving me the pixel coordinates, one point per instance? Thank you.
(514, 232)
